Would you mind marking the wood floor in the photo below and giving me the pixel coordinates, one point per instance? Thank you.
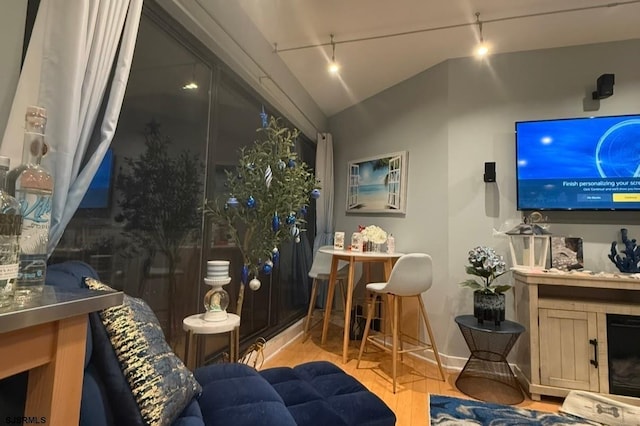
(415, 379)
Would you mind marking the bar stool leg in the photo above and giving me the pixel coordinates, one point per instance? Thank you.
(312, 303)
(365, 336)
(432, 340)
(394, 346)
(400, 328)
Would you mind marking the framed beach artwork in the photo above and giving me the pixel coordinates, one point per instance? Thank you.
(378, 184)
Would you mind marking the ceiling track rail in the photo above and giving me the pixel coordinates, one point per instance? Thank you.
(452, 26)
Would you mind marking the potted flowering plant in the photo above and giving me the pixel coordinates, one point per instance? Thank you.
(488, 297)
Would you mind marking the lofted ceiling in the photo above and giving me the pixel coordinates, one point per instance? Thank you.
(371, 66)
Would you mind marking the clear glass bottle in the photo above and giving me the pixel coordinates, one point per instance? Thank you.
(391, 244)
(32, 186)
(10, 227)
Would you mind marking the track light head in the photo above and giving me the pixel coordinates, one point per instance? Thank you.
(334, 67)
(482, 49)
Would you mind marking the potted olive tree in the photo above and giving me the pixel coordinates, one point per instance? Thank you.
(266, 200)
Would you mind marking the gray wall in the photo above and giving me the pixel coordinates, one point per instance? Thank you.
(454, 117)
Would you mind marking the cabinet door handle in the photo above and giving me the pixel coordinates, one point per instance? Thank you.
(594, 361)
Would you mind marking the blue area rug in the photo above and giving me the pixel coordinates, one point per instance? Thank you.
(447, 410)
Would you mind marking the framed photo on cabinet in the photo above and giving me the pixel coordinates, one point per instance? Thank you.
(378, 184)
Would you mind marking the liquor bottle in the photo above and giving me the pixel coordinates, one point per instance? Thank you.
(32, 185)
(10, 227)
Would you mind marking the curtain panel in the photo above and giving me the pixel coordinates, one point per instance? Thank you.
(77, 66)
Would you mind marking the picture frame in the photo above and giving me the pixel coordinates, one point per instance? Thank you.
(567, 253)
(378, 184)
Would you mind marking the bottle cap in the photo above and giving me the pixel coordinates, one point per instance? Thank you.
(4, 161)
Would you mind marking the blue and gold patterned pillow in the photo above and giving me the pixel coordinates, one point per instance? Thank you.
(160, 383)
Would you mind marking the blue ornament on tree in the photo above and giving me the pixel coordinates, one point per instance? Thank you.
(291, 219)
(244, 274)
(251, 202)
(281, 165)
(267, 267)
(291, 163)
(275, 222)
(276, 256)
(295, 231)
(303, 210)
(315, 194)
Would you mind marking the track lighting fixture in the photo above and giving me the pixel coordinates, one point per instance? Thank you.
(333, 65)
(483, 48)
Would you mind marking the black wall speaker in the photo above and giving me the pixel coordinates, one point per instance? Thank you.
(490, 172)
(604, 86)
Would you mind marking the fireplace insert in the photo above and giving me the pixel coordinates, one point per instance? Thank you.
(623, 342)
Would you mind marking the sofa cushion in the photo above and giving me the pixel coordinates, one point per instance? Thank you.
(319, 393)
(160, 383)
(235, 394)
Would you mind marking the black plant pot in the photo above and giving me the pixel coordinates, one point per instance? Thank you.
(488, 307)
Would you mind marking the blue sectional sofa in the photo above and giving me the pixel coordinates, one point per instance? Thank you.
(314, 393)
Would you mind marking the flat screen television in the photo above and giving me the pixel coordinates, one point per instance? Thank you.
(590, 163)
(98, 195)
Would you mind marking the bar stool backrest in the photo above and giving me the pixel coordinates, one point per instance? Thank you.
(321, 266)
(411, 275)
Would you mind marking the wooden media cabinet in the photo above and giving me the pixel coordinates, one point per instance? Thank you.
(565, 345)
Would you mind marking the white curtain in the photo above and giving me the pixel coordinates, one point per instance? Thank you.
(324, 205)
(77, 66)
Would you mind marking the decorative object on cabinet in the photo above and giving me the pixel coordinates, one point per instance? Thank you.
(378, 184)
(566, 253)
(265, 201)
(529, 243)
(630, 262)
(488, 297)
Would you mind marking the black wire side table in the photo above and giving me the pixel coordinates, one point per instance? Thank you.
(487, 375)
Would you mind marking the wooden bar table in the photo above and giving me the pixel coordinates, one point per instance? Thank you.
(387, 259)
(48, 339)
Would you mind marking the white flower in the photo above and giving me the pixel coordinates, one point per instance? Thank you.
(374, 234)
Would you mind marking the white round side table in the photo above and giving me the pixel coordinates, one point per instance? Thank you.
(195, 325)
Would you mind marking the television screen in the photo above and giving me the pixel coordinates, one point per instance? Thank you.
(579, 163)
(99, 191)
